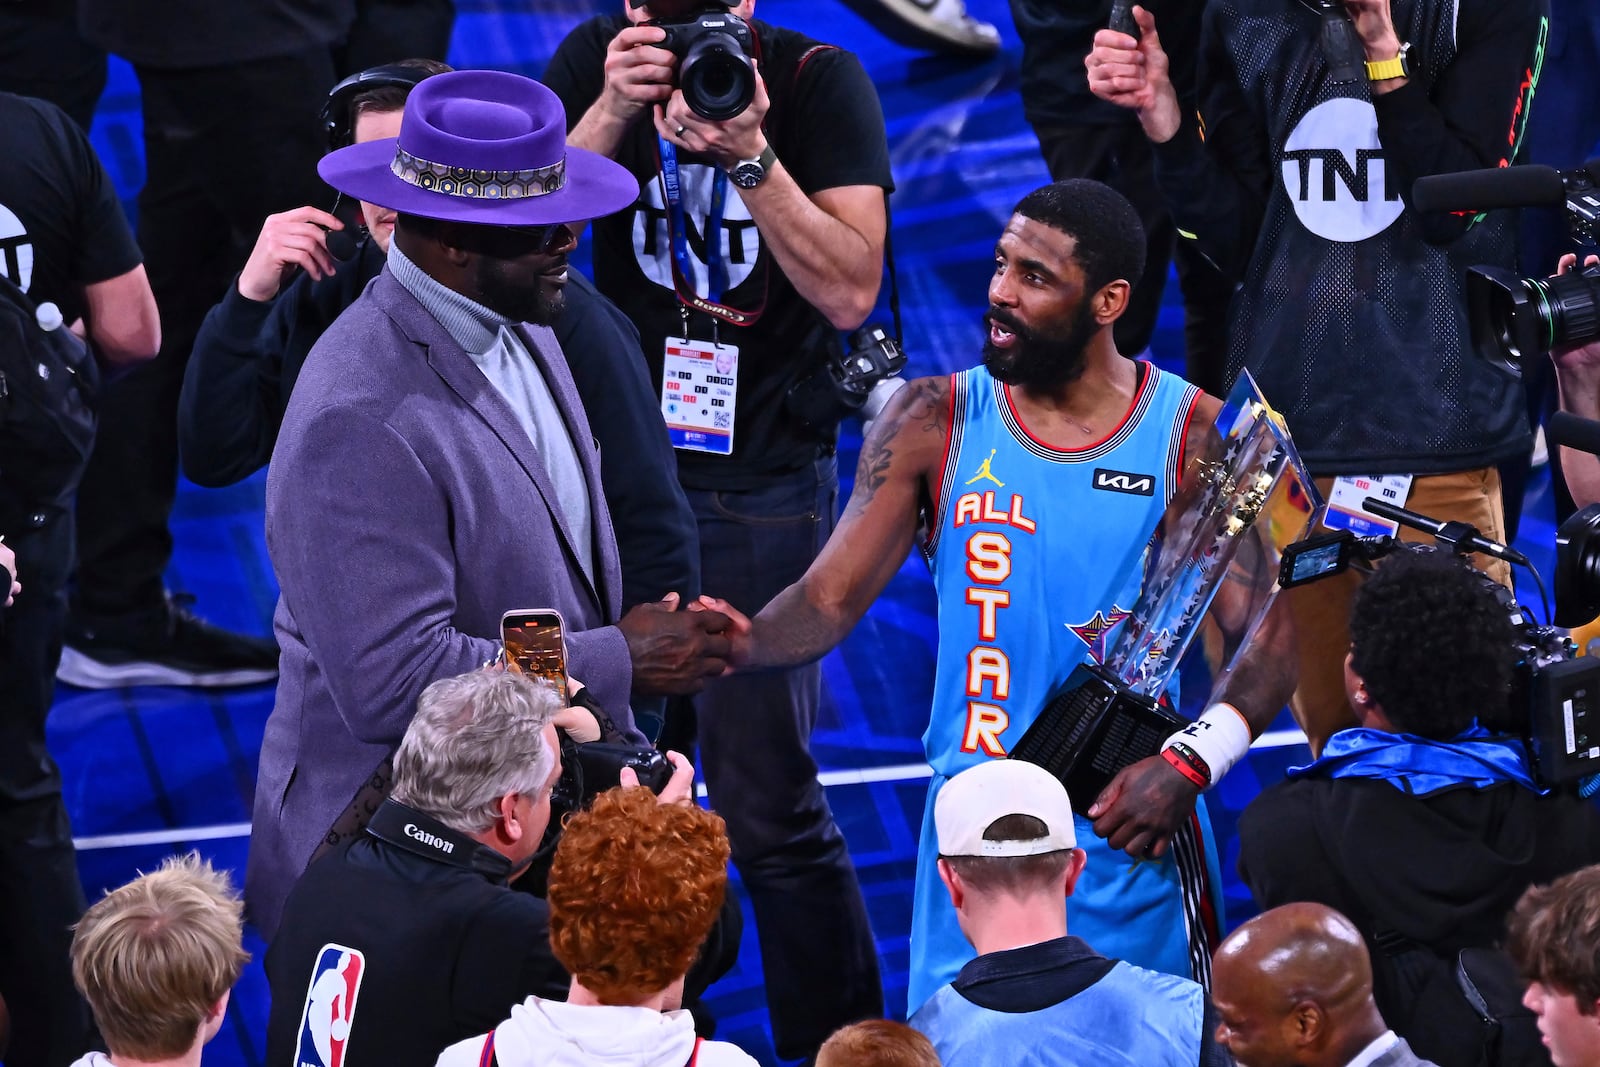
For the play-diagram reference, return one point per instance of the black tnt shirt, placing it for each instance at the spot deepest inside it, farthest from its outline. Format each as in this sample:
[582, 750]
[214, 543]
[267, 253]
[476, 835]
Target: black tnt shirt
[61, 227]
[826, 127]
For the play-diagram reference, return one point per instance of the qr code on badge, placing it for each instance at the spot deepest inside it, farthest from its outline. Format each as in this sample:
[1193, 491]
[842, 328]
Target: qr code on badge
[721, 420]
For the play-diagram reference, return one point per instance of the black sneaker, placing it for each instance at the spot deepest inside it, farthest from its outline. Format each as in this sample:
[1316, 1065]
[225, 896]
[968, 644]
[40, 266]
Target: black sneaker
[168, 645]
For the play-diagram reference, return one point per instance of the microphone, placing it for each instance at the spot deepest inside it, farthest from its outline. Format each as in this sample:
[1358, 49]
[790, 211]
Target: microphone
[1122, 18]
[1458, 536]
[1565, 428]
[1497, 187]
[341, 244]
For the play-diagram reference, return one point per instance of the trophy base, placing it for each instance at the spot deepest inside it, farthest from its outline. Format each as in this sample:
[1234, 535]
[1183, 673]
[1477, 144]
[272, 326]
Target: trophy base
[1093, 729]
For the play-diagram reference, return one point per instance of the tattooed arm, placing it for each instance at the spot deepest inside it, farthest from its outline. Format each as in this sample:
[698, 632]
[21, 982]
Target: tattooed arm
[899, 458]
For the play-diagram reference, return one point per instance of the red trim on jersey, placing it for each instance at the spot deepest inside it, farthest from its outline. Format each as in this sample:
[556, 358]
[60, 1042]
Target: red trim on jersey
[1146, 378]
[1183, 441]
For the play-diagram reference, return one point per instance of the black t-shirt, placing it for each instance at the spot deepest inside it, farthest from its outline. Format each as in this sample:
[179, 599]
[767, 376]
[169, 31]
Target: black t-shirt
[61, 227]
[826, 127]
[188, 34]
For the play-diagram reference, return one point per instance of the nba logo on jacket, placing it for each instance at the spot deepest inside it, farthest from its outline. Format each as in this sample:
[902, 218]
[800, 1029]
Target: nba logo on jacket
[330, 1008]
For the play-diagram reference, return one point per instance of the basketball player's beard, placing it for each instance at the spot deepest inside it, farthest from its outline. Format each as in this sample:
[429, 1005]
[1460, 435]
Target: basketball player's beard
[1037, 359]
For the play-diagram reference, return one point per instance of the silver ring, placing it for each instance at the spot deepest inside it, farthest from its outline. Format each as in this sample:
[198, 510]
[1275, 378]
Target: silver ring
[681, 129]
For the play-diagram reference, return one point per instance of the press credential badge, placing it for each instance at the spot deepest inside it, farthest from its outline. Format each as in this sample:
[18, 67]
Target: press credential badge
[699, 381]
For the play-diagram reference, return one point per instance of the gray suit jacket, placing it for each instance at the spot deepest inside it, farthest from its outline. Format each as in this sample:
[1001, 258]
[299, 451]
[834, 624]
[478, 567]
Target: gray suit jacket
[406, 512]
[1400, 1055]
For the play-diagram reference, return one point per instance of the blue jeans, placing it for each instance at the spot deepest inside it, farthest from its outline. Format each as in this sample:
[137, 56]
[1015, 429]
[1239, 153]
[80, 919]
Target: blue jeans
[818, 955]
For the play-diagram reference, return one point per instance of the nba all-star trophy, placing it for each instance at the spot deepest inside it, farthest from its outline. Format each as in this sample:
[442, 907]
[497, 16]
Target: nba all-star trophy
[1240, 502]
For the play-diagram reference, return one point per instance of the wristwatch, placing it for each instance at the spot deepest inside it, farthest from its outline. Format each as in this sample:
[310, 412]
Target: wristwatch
[1398, 67]
[749, 173]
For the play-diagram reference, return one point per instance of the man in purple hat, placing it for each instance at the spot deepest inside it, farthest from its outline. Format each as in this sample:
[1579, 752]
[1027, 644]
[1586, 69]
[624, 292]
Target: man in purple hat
[756, 237]
[435, 468]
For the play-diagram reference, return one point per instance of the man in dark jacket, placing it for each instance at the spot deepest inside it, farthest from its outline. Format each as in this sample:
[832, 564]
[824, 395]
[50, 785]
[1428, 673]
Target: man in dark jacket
[1419, 825]
[406, 937]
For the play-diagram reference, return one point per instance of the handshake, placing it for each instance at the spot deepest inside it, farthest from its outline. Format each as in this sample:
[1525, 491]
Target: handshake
[674, 651]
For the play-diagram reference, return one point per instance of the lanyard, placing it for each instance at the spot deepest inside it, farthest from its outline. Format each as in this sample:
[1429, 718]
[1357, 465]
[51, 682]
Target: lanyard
[682, 265]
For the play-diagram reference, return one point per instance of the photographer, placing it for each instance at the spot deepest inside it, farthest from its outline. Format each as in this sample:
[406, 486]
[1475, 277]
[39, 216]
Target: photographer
[763, 230]
[427, 882]
[1578, 385]
[1419, 825]
[1318, 118]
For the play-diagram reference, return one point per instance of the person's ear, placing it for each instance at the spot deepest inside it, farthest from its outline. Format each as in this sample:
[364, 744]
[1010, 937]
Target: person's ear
[1308, 1024]
[1110, 302]
[1075, 865]
[511, 826]
[952, 882]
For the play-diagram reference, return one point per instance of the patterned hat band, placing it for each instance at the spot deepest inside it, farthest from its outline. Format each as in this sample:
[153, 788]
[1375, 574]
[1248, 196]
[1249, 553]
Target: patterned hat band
[479, 184]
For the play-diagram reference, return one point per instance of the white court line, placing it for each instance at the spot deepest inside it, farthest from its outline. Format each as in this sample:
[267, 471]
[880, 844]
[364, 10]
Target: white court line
[902, 772]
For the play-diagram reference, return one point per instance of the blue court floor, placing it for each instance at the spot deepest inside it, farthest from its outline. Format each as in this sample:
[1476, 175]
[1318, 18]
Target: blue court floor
[152, 771]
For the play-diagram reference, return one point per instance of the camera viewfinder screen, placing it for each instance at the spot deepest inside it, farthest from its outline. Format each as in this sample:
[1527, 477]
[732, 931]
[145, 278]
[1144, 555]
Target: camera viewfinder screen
[534, 648]
[1317, 562]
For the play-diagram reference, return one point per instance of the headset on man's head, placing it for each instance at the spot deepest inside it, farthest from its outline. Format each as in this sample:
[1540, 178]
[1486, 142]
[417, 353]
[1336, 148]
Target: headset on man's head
[337, 122]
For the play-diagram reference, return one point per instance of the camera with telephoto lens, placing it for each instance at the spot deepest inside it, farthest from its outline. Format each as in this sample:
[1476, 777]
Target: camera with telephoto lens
[713, 47]
[1516, 319]
[847, 383]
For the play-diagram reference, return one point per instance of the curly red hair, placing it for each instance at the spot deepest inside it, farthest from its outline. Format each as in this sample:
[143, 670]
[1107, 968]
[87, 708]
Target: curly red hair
[634, 889]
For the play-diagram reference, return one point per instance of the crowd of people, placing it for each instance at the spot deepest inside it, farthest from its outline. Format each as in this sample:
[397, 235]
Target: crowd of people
[457, 424]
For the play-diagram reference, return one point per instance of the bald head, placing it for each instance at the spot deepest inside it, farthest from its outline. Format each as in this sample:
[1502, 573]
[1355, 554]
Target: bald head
[1294, 985]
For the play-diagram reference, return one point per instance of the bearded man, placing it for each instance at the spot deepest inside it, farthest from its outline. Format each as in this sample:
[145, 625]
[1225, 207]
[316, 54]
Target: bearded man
[1035, 559]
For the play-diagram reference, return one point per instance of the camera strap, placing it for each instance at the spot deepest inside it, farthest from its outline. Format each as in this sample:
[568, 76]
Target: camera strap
[421, 835]
[678, 232]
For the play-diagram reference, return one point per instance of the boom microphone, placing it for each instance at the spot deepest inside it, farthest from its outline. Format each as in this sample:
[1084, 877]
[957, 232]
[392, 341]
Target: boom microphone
[1484, 190]
[1450, 533]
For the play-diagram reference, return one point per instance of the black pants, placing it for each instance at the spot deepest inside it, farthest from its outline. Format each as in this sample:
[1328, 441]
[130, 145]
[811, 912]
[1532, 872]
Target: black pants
[40, 895]
[817, 949]
[1120, 157]
[224, 148]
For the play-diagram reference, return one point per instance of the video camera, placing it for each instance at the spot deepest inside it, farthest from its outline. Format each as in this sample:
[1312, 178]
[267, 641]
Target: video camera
[713, 47]
[1515, 319]
[1554, 700]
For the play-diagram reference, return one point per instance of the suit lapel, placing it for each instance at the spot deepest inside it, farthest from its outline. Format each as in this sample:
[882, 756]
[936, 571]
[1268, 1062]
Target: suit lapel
[451, 362]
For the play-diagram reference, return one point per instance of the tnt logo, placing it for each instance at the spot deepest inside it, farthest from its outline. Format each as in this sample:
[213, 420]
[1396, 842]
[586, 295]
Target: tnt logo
[16, 249]
[652, 241]
[330, 1008]
[1335, 174]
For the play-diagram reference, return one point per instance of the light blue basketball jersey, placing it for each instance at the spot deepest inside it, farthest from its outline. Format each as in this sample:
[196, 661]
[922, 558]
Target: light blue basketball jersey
[1035, 555]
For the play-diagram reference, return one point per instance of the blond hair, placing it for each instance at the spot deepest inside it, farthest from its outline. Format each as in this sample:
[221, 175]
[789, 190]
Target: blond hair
[154, 957]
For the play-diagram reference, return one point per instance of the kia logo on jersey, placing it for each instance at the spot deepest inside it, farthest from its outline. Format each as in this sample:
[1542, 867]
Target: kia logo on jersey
[1335, 172]
[330, 1008]
[1123, 482]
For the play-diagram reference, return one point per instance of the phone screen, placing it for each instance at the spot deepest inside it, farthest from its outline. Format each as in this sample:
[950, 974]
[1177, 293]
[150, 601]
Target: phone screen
[535, 646]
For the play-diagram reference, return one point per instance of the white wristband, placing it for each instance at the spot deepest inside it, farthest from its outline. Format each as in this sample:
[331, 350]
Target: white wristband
[1220, 736]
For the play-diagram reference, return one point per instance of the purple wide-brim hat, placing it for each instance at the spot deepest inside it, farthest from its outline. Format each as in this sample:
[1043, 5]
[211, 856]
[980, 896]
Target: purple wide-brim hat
[484, 147]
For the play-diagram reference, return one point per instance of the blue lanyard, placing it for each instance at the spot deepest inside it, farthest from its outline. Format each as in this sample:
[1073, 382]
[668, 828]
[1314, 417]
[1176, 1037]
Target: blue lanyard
[680, 245]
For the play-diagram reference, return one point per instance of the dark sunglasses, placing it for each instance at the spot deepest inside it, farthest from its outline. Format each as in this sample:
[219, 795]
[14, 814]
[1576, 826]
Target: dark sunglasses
[543, 238]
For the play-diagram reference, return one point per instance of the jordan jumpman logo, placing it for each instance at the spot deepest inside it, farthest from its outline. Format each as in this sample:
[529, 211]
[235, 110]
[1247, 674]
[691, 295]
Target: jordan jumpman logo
[985, 472]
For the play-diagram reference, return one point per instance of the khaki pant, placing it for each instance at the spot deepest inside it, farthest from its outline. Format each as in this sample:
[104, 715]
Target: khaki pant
[1321, 610]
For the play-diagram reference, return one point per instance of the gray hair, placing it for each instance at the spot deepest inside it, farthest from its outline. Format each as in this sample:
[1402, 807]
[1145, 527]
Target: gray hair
[474, 739]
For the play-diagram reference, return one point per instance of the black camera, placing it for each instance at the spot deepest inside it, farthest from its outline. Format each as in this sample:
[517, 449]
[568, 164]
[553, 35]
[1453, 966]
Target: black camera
[1515, 319]
[843, 385]
[713, 47]
[1553, 703]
